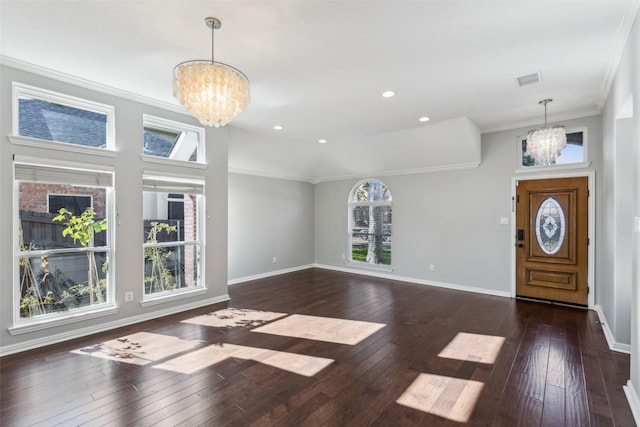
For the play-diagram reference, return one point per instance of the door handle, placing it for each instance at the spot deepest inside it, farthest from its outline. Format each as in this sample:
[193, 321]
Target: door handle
[520, 245]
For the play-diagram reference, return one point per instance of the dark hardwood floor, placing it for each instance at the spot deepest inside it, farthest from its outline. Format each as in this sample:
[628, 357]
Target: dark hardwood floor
[278, 354]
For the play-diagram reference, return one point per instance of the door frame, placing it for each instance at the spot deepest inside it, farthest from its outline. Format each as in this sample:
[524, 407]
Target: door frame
[591, 178]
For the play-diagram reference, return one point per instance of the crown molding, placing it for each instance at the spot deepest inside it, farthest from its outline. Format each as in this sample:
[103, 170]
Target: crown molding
[623, 38]
[400, 172]
[250, 172]
[28, 67]
[537, 122]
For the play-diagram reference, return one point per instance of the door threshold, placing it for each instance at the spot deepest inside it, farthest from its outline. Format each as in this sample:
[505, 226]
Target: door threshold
[548, 301]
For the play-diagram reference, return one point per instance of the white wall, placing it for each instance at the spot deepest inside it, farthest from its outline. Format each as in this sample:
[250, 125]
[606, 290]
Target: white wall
[617, 287]
[269, 218]
[128, 190]
[449, 219]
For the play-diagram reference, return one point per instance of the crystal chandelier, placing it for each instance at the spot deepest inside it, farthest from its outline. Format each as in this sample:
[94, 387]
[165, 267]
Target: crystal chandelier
[545, 144]
[213, 92]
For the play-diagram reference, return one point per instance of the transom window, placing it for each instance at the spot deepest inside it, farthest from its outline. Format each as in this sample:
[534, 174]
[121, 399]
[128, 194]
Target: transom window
[575, 153]
[370, 219]
[172, 235]
[171, 140]
[50, 116]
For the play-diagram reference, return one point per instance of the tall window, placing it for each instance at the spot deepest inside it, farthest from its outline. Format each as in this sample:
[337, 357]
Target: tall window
[172, 239]
[370, 224]
[41, 114]
[62, 256]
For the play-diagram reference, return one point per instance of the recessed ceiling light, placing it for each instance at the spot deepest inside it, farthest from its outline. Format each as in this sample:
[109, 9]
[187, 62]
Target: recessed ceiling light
[424, 119]
[388, 93]
[322, 141]
[278, 127]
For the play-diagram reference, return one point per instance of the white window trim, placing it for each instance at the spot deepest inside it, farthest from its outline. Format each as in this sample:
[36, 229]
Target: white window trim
[558, 167]
[30, 324]
[176, 183]
[59, 146]
[20, 89]
[172, 126]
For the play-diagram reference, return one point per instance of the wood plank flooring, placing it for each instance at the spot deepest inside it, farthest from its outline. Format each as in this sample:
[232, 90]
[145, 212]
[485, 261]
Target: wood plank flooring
[361, 352]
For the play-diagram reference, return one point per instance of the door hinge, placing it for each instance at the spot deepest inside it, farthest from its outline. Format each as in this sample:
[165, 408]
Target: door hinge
[588, 289]
[588, 241]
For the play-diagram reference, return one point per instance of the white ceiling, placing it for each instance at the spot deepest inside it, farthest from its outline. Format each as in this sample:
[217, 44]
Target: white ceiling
[318, 68]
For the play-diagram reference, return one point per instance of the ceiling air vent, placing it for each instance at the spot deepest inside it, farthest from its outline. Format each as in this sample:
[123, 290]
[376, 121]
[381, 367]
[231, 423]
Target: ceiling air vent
[529, 79]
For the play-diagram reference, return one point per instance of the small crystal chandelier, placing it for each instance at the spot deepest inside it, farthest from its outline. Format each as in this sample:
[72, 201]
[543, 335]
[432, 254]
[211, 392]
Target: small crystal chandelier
[213, 92]
[545, 144]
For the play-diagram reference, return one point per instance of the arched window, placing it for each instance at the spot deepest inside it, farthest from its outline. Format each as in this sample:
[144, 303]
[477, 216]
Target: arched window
[370, 224]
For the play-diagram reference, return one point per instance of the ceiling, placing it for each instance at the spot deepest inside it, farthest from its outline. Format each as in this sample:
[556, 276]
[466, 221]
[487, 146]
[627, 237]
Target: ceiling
[318, 68]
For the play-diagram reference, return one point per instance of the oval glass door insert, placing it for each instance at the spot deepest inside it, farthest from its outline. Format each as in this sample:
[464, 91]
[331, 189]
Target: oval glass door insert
[550, 226]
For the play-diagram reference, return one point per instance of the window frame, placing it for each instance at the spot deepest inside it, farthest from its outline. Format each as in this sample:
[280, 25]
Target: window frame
[163, 182]
[562, 166]
[49, 320]
[161, 124]
[350, 206]
[22, 90]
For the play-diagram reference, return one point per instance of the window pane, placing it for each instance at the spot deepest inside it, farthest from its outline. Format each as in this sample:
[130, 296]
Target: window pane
[371, 234]
[39, 118]
[550, 226]
[169, 268]
[39, 229]
[172, 140]
[372, 191]
[60, 282]
[573, 153]
[171, 241]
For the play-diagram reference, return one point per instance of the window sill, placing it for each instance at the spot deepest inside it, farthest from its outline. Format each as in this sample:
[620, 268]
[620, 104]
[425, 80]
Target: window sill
[60, 146]
[163, 161]
[366, 265]
[55, 320]
[541, 169]
[171, 296]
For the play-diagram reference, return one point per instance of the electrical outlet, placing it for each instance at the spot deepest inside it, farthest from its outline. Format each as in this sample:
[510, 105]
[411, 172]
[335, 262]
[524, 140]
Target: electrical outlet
[432, 267]
[128, 296]
[275, 259]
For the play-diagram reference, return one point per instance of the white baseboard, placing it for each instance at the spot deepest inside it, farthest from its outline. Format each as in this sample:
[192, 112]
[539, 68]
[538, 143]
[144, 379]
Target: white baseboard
[611, 341]
[268, 274]
[417, 281]
[634, 400]
[78, 333]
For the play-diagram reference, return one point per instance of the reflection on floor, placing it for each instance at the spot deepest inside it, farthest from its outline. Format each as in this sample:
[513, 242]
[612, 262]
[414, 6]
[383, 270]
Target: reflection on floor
[447, 397]
[473, 347]
[202, 358]
[139, 349]
[233, 317]
[339, 331]
[451, 398]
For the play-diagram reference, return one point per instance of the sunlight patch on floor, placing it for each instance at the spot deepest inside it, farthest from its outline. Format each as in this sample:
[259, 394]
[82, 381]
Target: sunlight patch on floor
[447, 397]
[234, 317]
[139, 349]
[208, 356]
[473, 348]
[339, 331]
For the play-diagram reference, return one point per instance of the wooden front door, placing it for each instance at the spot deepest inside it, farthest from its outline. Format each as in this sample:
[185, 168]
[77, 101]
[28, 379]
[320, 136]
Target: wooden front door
[552, 239]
